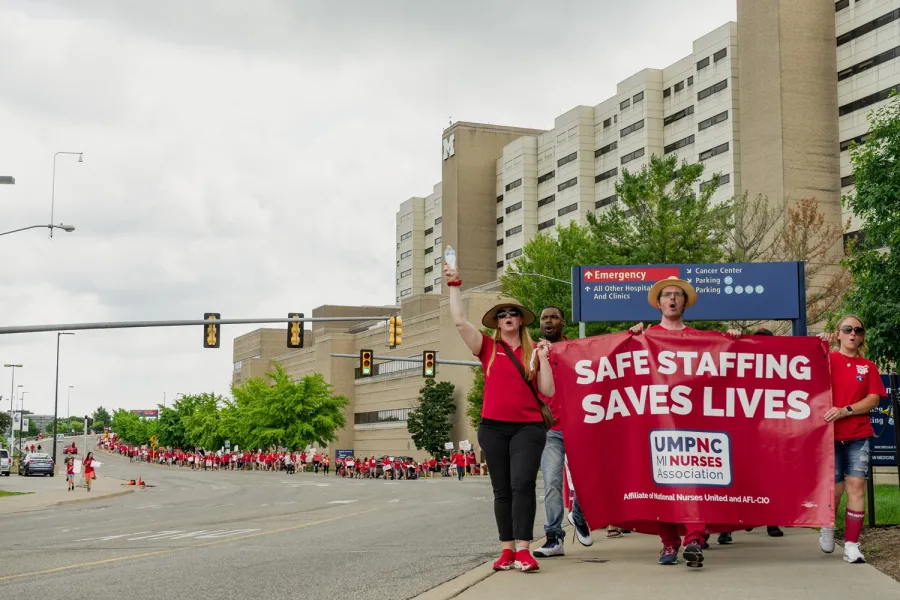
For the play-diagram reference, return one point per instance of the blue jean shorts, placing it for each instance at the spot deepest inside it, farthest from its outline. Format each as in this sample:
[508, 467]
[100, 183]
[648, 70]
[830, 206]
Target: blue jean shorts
[851, 459]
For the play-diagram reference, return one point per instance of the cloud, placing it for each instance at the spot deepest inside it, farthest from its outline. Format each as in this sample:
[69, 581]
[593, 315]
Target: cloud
[249, 158]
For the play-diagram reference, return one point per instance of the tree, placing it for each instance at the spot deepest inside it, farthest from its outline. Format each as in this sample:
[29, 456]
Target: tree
[101, 418]
[756, 224]
[33, 430]
[171, 428]
[132, 428]
[475, 397]
[287, 413]
[874, 260]
[4, 422]
[201, 426]
[429, 423]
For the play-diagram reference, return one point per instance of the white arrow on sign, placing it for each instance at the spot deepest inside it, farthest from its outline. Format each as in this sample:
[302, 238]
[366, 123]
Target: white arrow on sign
[587, 288]
[689, 271]
[589, 275]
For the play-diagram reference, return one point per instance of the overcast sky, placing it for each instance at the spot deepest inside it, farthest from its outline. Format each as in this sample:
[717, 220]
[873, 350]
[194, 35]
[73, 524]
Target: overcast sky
[248, 158]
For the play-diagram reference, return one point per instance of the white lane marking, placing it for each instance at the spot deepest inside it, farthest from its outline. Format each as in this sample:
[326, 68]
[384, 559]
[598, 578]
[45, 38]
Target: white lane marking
[109, 537]
[161, 534]
[148, 506]
[394, 500]
[342, 501]
[282, 503]
[225, 534]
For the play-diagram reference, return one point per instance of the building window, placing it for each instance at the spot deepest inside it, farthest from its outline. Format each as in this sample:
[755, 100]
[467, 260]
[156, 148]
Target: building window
[679, 86]
[437, 281]
[546, 177]
[499, 198]
[720, 149]
[438, 220]
[667, 92]
[429, 269]
[860, 139]
[429, 249]
[381, 416]
[606, 201]
[703, 63]
[868, 27]
[632, 155]
[499, 220]
[712, 90]
[548, 200]
[857, 237]
[514, 207]
[723, 179]
[841, 4]
[605, 149]
[690, 81]
[406, 292]
[632, 128]
[406, 273]
[607, 175]
[514, 231]
[437, 241]
[567, 184]
[406, 254]
[869, 63]
[847, 181]
[624, 104]
[679, 144]
[428, 289]
[715, 120]
[514, 184]
[607, 123]
[406, 236]
[679, 115]
[546, 224]
[429, 231]
[720, 54]
[567, 159]
[867, 101]
[513, 254]
[638, 97]
[568, 209]
[499, 264]
[438, 260]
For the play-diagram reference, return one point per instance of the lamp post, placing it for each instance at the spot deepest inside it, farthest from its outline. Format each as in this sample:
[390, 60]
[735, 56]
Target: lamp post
[12, 396]
[66, 228]
[69, 409]
[56, 394]
[53, 188]
[581, 326]
[21, 420]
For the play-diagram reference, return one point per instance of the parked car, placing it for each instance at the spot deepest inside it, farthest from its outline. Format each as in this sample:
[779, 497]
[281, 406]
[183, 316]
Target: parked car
[36, 463]
[5, 462]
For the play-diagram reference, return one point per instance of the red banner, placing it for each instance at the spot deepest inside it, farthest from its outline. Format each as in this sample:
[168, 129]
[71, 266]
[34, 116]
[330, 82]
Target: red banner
[692, 426]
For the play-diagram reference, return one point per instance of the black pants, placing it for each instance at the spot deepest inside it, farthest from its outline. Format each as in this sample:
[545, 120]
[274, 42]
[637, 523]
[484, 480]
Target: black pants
[513, 452]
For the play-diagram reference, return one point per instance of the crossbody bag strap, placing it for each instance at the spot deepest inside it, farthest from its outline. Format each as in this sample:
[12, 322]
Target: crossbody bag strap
[521, 369]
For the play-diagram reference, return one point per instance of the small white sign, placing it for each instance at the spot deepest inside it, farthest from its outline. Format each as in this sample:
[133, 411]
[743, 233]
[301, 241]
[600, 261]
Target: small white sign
[448, 446]
[465, 445]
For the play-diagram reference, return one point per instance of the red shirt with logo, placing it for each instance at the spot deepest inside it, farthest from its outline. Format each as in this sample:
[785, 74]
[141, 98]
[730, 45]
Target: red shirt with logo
[852, 379]
[506, 395]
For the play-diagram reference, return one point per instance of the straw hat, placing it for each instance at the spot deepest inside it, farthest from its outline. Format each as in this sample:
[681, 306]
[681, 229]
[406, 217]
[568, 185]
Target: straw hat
[489, 319]
[689, 292]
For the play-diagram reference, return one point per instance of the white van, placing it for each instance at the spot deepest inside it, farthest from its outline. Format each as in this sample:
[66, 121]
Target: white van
[4, 462]
[60, 437]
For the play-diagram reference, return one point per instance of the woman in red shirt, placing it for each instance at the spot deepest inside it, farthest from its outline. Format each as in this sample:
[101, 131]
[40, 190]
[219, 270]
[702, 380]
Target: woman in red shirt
[88, 469]
[856, 388]
[512, 432]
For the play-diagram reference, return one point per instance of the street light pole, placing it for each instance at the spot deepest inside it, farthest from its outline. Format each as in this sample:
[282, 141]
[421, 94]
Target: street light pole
[66, 228]
[12, 397]
[69, 409]
[21, 420]
[581, 326]
[53, 188]
[59, 334]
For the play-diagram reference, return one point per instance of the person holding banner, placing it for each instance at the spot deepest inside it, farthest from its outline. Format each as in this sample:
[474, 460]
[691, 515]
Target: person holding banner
[512, 432]
[672, 297]
[856, 389]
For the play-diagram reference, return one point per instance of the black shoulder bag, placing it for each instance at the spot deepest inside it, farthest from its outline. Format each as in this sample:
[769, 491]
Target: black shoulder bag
[546, 413]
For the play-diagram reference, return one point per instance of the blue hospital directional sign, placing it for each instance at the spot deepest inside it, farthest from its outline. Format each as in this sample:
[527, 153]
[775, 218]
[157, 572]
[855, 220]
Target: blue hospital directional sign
[725, 291]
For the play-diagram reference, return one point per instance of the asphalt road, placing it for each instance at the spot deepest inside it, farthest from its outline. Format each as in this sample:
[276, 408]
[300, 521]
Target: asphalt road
[245, 535]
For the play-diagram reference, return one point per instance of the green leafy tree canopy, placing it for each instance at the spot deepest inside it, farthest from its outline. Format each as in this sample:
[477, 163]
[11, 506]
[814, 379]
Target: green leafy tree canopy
[429, 424]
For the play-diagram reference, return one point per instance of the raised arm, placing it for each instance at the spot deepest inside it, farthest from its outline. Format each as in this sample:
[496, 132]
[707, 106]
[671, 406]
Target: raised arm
[469, 333]
[545, 383]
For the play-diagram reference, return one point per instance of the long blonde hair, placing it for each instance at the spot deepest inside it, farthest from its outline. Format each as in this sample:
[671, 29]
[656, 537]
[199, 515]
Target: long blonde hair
[863, 348]
[527, 351]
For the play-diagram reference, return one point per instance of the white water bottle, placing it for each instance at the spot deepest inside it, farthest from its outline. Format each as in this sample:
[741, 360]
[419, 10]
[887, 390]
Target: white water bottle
[450, 257]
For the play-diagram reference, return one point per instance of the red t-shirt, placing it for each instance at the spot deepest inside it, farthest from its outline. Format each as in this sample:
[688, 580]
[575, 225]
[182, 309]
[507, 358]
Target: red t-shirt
[555, 402]
[852, 379]
[659, 327]
[506, 395]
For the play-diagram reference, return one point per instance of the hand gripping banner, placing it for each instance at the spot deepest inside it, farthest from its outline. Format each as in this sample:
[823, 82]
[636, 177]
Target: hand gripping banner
[697, 427]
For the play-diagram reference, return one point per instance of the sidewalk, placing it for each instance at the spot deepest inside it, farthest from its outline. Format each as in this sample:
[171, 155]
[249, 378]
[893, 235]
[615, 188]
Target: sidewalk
[755, 567]
[44, 496]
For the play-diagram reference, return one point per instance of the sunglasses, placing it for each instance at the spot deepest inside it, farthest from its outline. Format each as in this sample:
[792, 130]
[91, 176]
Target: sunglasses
[856, 330]
[508, 313]
[672, 295]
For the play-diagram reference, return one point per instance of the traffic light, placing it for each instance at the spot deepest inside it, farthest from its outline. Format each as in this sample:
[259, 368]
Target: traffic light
[395, 331]
[429, 364]
[211, 331]
[365, 363]
[88, 422]
[295, 331]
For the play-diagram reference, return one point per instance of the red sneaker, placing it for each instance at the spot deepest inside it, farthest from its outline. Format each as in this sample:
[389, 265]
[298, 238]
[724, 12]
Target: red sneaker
[525, 561]
[506, 561]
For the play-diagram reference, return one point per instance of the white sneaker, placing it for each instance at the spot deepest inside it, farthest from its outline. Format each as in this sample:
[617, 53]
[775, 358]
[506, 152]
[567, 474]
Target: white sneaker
[826, 539]
[852, 553]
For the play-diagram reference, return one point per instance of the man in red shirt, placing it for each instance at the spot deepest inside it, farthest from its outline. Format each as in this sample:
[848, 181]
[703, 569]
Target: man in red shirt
[672, 296]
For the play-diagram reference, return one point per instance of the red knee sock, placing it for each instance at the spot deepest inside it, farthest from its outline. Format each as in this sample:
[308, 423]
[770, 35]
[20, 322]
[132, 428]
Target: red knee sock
[853, 522]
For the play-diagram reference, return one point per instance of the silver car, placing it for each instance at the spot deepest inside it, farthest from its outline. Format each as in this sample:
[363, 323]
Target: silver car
[36, 463]
[4, 462]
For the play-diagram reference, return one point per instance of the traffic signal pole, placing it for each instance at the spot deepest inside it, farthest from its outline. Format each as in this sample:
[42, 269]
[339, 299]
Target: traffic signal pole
[437, 360]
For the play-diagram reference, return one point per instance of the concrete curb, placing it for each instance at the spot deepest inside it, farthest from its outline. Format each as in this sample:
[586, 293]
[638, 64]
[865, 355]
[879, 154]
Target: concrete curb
[101, 496]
